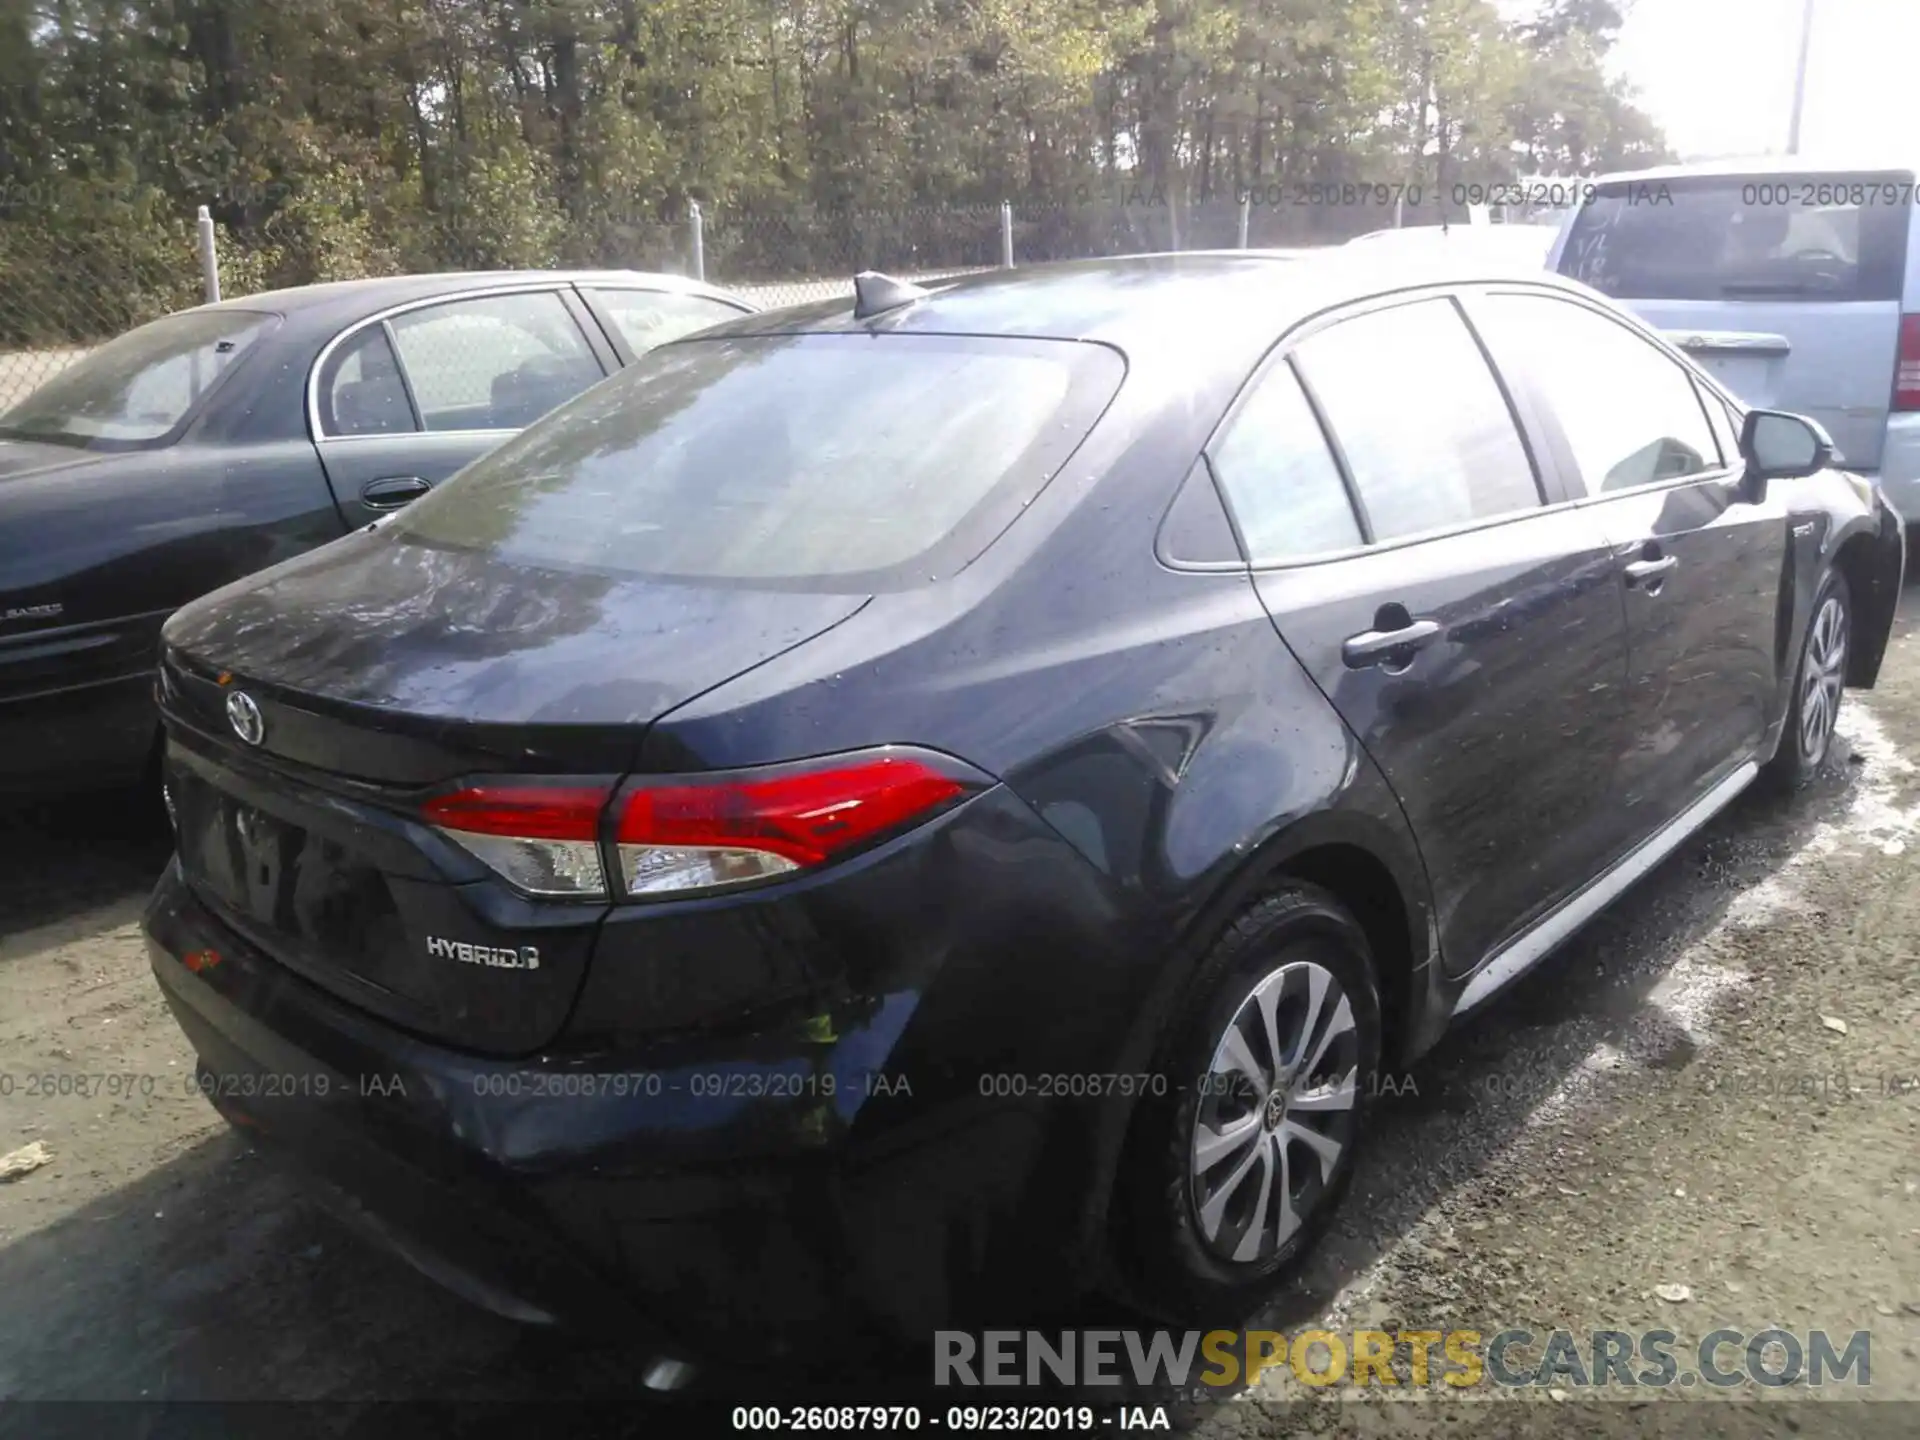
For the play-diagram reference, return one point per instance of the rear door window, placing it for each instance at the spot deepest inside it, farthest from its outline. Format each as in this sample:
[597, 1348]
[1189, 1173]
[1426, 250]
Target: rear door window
[1279, 476]
[495, 362]
[1428, 437]
[1814, 238]
[828, 461]
[361, 392]
[1631, 415]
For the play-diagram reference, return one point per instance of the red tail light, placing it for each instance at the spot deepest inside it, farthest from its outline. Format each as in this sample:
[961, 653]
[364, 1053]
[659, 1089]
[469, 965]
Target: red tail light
[695, 834]
[702, 834]
[1906, 376]
[543, 839]
[532, 812]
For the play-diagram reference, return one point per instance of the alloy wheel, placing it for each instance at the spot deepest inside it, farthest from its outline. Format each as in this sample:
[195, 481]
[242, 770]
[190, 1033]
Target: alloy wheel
[1276, 1112]
[1822, 677]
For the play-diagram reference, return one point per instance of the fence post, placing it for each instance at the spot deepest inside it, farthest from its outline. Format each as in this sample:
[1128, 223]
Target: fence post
[209, 257]
[1006, 235]
[1246, 210]
[698, 226]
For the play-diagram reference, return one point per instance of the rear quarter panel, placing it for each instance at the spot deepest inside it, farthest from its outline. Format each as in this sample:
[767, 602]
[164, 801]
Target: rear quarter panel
[1151, 715]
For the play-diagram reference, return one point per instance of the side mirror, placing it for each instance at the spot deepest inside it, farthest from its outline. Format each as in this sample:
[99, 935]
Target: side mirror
[1779, 446]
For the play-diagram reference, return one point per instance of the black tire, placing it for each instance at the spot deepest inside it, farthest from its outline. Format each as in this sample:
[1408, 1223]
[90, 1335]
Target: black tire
[1803, 748]
[1180, 1264]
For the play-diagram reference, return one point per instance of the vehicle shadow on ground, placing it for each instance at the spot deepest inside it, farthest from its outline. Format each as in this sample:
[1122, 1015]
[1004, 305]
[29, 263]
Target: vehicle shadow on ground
[75, 866]
[213, 1279]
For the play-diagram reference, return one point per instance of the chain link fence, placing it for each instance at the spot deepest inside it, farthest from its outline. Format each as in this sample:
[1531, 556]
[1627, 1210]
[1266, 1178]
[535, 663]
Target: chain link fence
[65, 288]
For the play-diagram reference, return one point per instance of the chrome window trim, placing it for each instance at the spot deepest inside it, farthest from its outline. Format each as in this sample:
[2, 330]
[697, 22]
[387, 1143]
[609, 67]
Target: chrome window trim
[392, 435]
[549, 286]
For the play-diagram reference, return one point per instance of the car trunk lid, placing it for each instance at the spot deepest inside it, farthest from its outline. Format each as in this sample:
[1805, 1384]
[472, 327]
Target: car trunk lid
[375, 674]
[399, 663]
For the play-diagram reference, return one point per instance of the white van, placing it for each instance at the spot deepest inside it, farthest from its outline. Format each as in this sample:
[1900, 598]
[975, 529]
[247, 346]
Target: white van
[1797, 283]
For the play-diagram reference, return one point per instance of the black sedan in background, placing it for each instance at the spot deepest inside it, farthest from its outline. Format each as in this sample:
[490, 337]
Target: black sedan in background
[217, 441]
[896, 813]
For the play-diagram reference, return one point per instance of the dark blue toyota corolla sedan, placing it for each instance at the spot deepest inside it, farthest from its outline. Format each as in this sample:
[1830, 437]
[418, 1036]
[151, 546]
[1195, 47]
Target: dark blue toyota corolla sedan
[901, 811]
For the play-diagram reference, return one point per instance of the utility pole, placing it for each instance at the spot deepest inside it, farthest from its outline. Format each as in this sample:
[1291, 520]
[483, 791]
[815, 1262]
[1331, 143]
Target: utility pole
[1800, 78]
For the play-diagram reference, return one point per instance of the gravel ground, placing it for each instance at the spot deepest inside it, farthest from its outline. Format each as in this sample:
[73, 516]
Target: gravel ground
[1717, 1086]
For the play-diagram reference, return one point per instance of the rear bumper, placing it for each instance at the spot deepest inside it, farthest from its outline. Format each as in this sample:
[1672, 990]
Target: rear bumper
[461, 1165]
[704, 1188]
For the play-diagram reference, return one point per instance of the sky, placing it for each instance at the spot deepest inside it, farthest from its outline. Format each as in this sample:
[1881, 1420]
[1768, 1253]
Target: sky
[1718, 74]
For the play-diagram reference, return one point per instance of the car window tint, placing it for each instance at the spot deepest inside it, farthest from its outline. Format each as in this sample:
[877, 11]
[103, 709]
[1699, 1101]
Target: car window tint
[646, 318]
[802, 460]
[361, 392]
[1427, 434]
[135, 390]
[1630, 413]
[1280, 477]
[1778, 238]
[498, 362]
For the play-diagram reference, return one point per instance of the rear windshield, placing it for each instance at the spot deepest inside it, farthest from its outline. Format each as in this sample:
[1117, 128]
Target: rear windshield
[1776, 238]
[138, 389]
[850, 460]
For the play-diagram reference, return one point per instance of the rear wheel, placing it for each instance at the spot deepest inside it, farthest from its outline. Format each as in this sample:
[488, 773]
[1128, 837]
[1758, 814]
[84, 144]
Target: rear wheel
[1236, 1171]
[1818, 685]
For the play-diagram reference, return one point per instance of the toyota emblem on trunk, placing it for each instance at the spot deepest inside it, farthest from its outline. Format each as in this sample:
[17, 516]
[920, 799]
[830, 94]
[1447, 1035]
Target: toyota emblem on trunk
[245, 717]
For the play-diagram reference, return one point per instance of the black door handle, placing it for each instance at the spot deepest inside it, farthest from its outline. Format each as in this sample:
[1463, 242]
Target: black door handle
[1393, 649]
[1651, 572]
[390, 492]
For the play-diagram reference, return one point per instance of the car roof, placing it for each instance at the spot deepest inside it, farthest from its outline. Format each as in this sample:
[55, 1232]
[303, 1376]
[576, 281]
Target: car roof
[1214, 299]
[382, 291]
[1764, 165]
